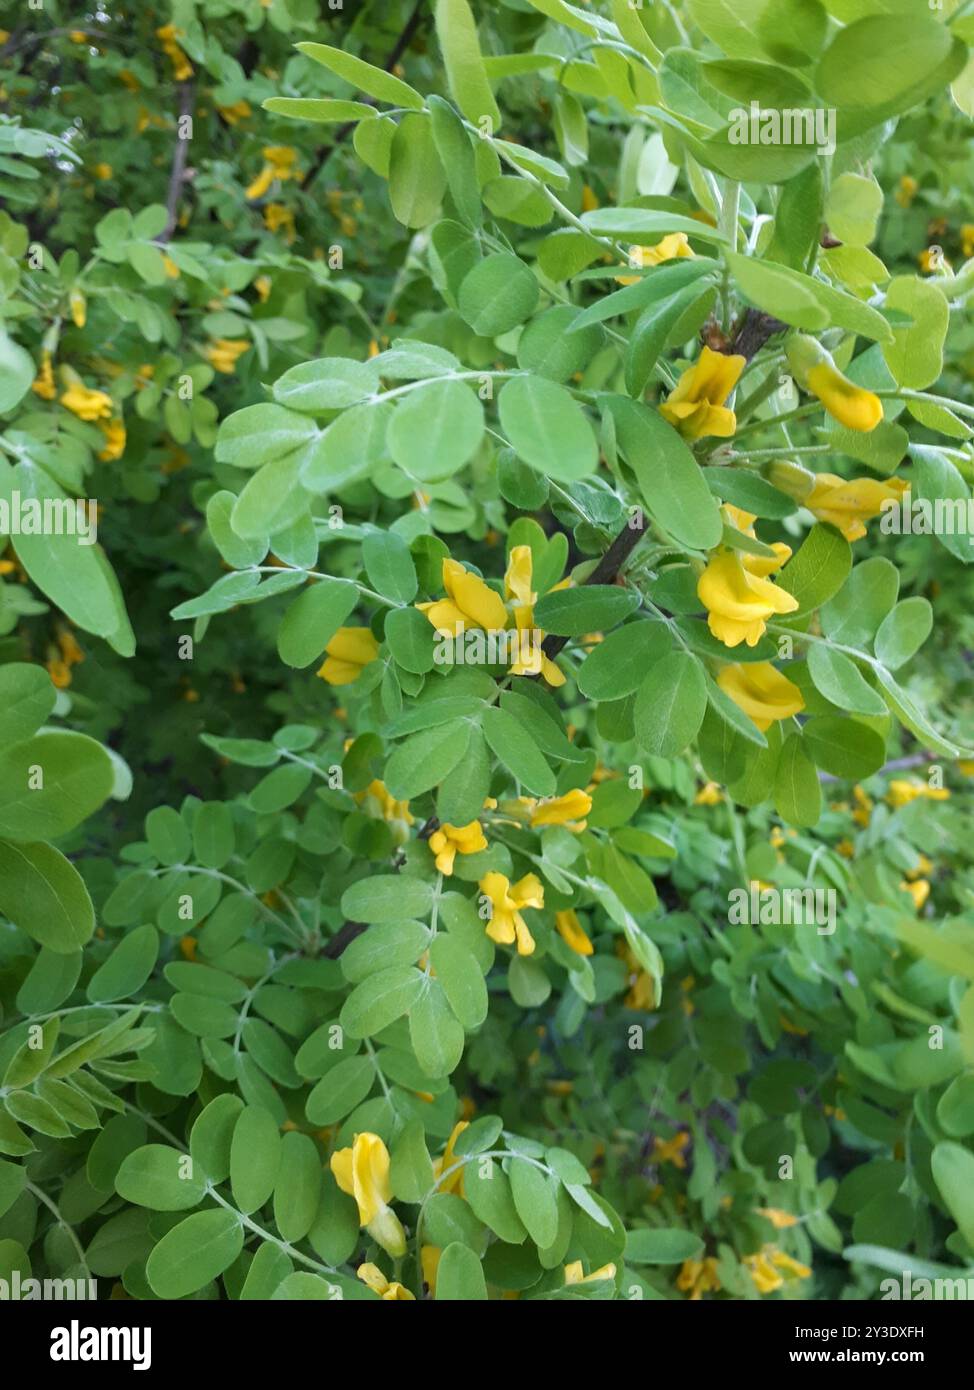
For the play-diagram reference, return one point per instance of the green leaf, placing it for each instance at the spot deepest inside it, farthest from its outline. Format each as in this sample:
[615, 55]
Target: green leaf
[497, 294]
[516, 749]
[535, 1200]
[670, 705]
[434, 1032]
[424, 760]
[857, 610]
[194, 1252]
[456, 30]
[412, 640]
[411, 1170]
[460, 1276]
[488, 1190]
[662, 1246]
[646, 224]
[952, 1167]
[340, 1090]
[26, 699]
[915, 357]
[297, 1191]
[260, 434]
[844, 747]
[903, 631]
[881, 59]
[213, 834]
[435, 430]
[43, 894]
[76, 577]
[817, 570]
[797, 794]
[255, 1158]
[590, 608]
[381, 999]
[327, 383]
[672, 486]
[457, 157]
[375, 82]
[801, 300]
[16, 372]
[387, 898]
[313, 619]
[416, 178]
[462, 980]
[914, 718]
[547, 428]
[325, 110]
[127, 968]
[160, 1177]
[840, 680]
[617, 666]
[211, 1137]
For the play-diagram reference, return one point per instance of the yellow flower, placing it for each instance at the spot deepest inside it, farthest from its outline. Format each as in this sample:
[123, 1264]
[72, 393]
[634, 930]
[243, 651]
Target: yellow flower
[263, 287]
[569, 810]
[907, 190]
[363, 1172]
[589, 199]
[348, 653]
[901, 792]
[671, 1150]
[642, 986]
[79, 308]
[814, 370]
[779, 1219]
[761, 691]
[932, 260]
[760, 565]
[572, 932]
[454, 1182]
[518, 590]
[671, 248]
[574, 1275]
[919, 891]
[469, 603]
[710, 795]
[379, 802]
[378, 1283]
[846, 505]
[277, 216]
[429, 1259]
[279, 162]
[87, 404]
[967, 239]
[114, 432]
[182, 68]
[764, 1268]
[222, 353]
[170, 267]
[239, 111]
[739, 602]
[506, 925]
[698, 1277]
[696, 405]
[43, 384]
[450, 840]
[864, 807]
[103, 171]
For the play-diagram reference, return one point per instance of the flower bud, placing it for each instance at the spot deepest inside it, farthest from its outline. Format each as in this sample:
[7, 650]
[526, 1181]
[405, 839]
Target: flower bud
[789, 477]
[814, 370]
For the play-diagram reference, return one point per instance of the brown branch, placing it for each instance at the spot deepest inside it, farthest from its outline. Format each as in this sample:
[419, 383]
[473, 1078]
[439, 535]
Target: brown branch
[177, 174]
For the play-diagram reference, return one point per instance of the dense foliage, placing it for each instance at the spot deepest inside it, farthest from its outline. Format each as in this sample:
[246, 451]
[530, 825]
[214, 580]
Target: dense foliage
[529, 515]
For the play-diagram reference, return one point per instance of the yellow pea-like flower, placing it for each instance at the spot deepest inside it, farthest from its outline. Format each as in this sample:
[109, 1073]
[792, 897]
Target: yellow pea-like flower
[815, 371]
[363, 1172]
[696, 406]
[738, 601]
[347, 655]
[762, 692]
[506, 925]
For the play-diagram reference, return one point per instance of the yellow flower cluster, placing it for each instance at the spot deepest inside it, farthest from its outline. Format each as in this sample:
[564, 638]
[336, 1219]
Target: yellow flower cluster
[182, 68]
[737, 591]
[222, 354]
[279, 163]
